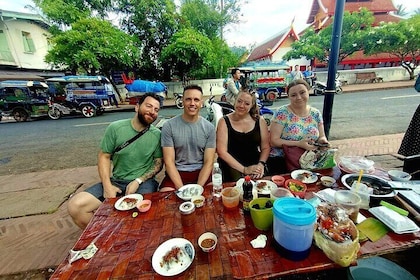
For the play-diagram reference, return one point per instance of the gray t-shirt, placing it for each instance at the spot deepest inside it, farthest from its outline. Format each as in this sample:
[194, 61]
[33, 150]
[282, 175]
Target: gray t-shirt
[189, 140]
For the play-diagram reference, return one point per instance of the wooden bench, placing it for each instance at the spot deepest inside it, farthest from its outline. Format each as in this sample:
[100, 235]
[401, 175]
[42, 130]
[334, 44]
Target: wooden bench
[368, 76]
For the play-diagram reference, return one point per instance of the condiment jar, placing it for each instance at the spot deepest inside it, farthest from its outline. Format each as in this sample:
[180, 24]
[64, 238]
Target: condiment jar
[187, 213]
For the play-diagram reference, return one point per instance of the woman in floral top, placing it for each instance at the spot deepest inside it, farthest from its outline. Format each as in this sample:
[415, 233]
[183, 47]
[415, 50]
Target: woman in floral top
[295, 124]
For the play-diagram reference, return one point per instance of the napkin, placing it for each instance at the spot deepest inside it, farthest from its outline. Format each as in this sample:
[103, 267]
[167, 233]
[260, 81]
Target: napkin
[86, 253]
[259, 242]
[372, 229]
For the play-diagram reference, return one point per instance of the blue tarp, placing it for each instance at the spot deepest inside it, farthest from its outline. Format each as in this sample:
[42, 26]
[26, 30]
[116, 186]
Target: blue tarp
[146, 86]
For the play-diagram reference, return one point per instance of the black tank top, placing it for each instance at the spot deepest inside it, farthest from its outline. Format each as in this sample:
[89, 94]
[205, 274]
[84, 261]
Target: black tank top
[243, 146]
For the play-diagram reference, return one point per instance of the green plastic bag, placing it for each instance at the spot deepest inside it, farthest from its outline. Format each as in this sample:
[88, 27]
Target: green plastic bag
[318, 159]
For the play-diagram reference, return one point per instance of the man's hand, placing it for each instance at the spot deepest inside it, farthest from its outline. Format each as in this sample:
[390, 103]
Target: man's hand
[111, 191]
[132, 187]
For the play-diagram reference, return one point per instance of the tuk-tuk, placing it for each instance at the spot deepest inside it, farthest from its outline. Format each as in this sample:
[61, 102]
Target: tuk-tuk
[87, 95]
[23, 99]
[269, 79]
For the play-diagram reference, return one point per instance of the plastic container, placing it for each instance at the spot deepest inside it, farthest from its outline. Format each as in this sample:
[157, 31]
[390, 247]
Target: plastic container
[207, 242]
[263, 216]
[350, 201]
[187, 210]
[293, 227]
[278, 180]
[230, 197]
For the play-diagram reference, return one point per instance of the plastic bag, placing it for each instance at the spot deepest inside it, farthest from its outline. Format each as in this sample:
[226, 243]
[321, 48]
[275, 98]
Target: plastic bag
[318, 159]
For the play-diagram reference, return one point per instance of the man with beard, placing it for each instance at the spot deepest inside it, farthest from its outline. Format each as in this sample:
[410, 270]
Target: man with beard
[133, 167]
[188, 144]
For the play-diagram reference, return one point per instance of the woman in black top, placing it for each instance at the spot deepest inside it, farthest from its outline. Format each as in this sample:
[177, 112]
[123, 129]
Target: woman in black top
[242, 140]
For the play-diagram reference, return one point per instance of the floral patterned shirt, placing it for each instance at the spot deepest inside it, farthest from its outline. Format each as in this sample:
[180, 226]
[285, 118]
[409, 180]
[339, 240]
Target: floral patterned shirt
[296, 128]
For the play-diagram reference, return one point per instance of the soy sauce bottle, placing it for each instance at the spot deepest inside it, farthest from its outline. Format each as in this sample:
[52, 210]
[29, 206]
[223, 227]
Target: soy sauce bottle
[247, 196]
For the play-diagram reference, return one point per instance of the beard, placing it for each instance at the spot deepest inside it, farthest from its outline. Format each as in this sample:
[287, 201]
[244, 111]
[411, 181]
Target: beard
[142, 120]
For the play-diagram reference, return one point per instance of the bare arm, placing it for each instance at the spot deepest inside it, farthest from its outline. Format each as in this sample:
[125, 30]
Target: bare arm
[169, 159]
[205, 171]
[104, 170]
[265, 140]
[322, 138]
[155, 169]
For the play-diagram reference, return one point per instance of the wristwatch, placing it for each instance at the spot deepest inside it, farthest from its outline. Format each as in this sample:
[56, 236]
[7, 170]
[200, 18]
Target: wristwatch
[262, 162]
[138, 180]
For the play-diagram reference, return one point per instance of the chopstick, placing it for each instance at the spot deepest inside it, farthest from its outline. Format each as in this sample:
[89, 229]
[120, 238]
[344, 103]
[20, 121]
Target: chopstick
[408, 207]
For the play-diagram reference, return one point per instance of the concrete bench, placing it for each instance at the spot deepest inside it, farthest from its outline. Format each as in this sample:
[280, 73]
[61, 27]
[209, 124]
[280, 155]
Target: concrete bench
[368, 76]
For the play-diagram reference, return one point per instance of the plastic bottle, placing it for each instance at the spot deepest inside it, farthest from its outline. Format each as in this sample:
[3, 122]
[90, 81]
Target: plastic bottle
[247, 196]
[216, 178]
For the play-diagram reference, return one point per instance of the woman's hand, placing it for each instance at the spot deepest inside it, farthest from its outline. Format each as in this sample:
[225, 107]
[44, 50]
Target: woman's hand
[307, 144]
[256, 171]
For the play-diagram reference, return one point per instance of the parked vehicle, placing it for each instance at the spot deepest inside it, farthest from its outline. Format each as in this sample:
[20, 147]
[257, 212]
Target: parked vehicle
[269, 80]
[23, 99]
[320, 87]
[71, 95]
[137, 88]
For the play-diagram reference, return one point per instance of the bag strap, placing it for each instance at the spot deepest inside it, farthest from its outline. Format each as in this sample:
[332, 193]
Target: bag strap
[131, 140]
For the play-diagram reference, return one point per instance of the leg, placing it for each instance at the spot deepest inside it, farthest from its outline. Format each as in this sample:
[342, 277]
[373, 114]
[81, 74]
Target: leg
[81, 208]
[148, 186]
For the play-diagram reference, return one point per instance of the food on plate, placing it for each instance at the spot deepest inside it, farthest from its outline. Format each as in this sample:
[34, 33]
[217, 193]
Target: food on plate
[172, 256]
[303, 176]
[208, 243]
[135, 214]
[261, 185]
[128, 203]
[378, 187]
[336, 235]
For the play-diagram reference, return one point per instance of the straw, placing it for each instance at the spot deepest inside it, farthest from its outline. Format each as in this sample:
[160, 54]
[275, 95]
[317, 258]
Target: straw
[358, 180]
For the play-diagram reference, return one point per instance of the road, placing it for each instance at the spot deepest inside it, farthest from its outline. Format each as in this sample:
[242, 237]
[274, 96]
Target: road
[74, 141]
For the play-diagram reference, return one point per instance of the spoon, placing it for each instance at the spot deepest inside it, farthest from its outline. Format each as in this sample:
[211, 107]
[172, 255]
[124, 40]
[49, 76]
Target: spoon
[410, 174]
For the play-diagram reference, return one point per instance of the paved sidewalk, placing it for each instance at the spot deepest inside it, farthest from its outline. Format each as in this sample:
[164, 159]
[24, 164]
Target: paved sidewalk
[42, 241]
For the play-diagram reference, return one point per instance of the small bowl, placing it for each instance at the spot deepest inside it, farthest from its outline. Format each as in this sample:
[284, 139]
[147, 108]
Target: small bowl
[280, 192]
[198, 200]
[144, 205]
[327, 181]
[397, 175]
[296, 192]
[278, 180]
[210, 241]
[230, 197]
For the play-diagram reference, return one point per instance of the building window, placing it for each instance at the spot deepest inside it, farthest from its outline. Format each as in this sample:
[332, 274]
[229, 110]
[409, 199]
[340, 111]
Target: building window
[5, 53]
[28, 43]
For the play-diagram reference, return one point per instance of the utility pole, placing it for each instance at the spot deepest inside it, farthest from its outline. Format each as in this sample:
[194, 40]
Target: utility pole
[332, 65]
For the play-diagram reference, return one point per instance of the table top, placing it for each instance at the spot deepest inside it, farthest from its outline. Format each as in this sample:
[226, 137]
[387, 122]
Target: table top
[126, 244]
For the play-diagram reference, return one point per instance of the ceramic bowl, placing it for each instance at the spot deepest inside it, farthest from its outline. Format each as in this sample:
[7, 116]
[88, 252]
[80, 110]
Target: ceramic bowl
[198, 200]
[144, 205]
[278, 180]
[296, 187]
[397, 175]
[327, 181]
[207, 241]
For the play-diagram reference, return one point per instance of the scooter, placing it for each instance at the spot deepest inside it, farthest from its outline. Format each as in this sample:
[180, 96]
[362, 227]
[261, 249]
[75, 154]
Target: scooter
[178, 100]
[320, 87]
[265, 112]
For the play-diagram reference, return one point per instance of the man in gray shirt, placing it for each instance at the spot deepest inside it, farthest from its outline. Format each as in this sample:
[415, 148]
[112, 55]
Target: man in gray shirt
[188, 144]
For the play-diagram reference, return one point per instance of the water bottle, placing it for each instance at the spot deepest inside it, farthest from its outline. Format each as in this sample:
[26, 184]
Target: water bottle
[216, 178]
[247, 196]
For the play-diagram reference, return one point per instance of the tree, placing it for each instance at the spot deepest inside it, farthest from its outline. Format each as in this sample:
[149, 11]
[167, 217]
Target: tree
[398, 39]
[187, 53]
[93, 45]
[154, 23]
[401, 11]
[317, 45]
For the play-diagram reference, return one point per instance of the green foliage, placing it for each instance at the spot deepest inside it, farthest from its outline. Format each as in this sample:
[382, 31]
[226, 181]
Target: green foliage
[187, 53]
[398, 39]
[317, 45]
[93, 45]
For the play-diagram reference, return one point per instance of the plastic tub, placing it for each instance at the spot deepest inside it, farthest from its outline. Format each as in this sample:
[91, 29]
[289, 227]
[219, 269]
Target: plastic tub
[293, 227]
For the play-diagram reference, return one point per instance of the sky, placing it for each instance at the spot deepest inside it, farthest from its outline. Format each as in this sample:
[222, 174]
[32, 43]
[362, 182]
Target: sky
[260, 20]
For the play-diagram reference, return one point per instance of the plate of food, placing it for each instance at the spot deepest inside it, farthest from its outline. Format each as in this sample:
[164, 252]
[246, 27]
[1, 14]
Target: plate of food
[264, 186]
[381, 188]
[128, 202]
[353, 164]
[186, 192]
[173, 257]
[305, 176]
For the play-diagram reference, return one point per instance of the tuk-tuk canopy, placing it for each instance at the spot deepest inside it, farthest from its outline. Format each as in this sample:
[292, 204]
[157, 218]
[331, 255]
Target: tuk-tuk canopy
[19, 83]
[263, 66]
[82, 78]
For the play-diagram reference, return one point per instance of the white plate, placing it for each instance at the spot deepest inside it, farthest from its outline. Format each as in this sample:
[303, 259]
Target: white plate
[177, 267]
[189, 190]
[265, 189]
[312, 178]
[398, 223]
[119, 205]
[369, 179]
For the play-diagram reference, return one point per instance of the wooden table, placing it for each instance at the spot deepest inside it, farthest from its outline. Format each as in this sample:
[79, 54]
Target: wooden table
[126, 244]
